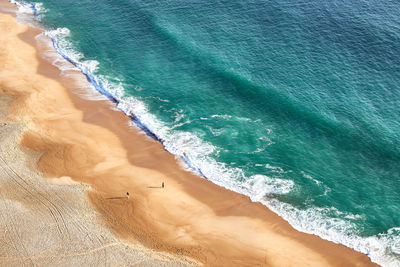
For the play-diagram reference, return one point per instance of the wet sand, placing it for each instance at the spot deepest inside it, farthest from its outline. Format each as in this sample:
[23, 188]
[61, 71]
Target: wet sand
[94, 144]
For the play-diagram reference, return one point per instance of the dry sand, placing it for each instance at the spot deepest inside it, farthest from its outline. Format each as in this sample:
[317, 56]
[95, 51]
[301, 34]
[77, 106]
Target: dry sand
[88, 142]
[52, 224]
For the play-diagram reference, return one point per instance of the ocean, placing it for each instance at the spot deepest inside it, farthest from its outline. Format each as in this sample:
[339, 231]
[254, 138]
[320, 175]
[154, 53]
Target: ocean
[293, 103]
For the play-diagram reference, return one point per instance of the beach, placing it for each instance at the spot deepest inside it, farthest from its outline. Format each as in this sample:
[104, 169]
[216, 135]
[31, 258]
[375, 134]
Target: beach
[82, 143]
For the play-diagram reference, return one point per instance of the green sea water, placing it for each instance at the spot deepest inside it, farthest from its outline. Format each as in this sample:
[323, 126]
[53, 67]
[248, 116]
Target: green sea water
[294, 103]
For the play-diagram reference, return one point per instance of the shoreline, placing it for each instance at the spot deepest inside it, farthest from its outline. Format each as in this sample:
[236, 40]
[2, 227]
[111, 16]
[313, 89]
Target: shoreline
[92, 143]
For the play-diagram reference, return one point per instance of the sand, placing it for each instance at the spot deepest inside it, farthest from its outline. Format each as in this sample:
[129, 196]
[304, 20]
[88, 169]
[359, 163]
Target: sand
[46, 223]
[81, 140]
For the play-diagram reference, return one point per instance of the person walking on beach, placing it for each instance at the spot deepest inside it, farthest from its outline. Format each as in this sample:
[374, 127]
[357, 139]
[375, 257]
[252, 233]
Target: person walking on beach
[162, 185]
[127, 195]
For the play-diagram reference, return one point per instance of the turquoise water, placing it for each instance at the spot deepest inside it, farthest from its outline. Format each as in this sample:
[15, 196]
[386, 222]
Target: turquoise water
[294, 103]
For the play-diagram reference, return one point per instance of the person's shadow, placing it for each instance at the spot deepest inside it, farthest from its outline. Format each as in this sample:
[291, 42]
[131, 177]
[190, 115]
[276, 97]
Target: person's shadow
[116, 197]
[162, 186]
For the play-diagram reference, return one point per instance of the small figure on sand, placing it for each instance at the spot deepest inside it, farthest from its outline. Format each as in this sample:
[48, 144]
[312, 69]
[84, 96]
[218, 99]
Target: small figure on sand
[162, 185]
[127, 195]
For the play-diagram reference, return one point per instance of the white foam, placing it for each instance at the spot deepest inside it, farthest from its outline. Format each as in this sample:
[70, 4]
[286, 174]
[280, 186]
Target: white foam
[305, 175]
[29, 13]
[381, 249]
[276, 169]
[258, 187]
[215, 132]
[262, 186]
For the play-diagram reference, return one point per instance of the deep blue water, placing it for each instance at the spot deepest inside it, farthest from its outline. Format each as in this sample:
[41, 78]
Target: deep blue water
[294, 103]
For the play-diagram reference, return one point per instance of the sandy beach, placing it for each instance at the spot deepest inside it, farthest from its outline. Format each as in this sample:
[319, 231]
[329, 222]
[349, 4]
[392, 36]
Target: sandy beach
[88, 152]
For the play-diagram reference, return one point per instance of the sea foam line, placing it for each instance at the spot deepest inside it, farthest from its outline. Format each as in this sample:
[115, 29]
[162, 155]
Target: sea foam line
[381, 249]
